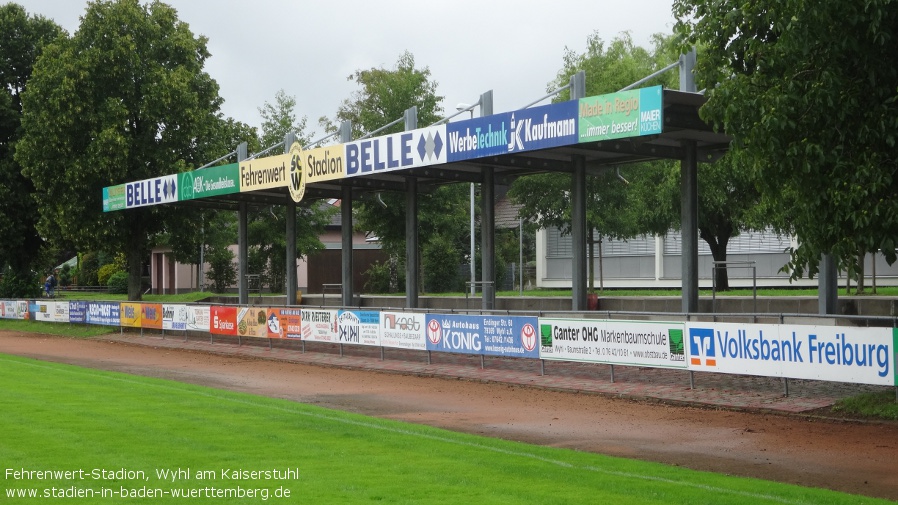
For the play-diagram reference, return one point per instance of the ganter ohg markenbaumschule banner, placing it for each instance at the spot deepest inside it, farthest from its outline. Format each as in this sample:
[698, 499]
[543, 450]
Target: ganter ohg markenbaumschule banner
[636, 343]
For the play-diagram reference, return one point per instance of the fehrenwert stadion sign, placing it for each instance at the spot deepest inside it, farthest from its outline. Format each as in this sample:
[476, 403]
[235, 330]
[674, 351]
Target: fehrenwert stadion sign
[605, 117]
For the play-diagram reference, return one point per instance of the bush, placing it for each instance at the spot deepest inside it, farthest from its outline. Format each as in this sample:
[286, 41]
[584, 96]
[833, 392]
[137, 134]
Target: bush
[87, 269]
[105, 273]
[20, 285]
[441, 260]
[65, 276]
[222, 272]
[118, 283]
[377, 278]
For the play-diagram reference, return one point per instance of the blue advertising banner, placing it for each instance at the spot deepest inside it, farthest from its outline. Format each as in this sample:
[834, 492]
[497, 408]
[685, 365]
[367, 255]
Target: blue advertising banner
[77, 312]
[513, 132]
[105, 313]
[488, 335]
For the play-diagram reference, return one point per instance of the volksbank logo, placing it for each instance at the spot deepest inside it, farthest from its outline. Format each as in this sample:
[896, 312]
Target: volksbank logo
[701, 347]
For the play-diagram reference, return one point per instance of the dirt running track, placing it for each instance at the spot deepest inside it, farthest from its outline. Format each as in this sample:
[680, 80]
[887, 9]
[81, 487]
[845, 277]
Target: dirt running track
[853, 457]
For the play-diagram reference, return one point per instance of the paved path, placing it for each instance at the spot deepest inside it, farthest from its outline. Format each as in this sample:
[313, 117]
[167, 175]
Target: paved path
[673, 386]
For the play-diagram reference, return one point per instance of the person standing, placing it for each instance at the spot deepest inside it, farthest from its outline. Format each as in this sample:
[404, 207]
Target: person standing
[50, 285]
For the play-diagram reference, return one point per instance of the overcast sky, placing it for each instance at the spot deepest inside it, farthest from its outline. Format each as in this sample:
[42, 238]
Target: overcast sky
[309, 48]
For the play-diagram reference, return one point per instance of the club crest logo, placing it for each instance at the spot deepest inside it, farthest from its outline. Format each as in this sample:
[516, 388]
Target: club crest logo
[297, 179]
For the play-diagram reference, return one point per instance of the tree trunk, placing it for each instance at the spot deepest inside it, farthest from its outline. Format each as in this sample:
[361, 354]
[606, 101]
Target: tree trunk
[718, 246]
[861, 256]
[135, 269]
[137, 250]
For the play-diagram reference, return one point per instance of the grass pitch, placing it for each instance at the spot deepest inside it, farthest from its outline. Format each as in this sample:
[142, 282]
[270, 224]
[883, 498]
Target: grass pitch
[86, 436]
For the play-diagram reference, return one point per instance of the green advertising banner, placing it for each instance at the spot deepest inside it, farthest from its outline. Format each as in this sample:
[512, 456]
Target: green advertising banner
[623, 114]
[212, 181]
[114, 198]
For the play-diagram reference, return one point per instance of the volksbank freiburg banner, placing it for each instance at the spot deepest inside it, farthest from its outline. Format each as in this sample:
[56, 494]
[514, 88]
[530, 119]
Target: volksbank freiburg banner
[488, 335]
[523, 130]
[399, 151]
[622, 114]
[211, 181]
[832, 353]
[635, 343]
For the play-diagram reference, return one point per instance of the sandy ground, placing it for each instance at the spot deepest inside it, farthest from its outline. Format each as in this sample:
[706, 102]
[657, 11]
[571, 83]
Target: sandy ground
[853, 457]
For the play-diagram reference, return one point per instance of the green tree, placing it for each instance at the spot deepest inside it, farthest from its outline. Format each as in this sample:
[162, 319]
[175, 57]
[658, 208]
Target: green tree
[22, 38]
[209, 228]
[267, 240]
[124, 99]
[222, 272]
[383, 97]
[615, 208]
[279, 119]
[811, 105]
[650, 203]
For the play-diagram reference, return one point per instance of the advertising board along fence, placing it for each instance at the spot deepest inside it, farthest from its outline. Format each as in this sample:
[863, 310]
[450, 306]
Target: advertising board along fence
[837, 353]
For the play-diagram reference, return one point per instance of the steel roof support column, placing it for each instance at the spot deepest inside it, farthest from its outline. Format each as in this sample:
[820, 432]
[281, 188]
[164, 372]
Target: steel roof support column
[578, 233]
[488, 238]
[689, 226]
[487, 221]
[578, 212]
[346, 226]
[290, 279]
[242, 240]
[411, 225]
[827, 285]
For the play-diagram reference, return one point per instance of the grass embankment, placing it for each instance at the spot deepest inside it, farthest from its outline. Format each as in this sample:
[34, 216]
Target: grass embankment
[191, 297]
[881, 291]
[124, 438]
[880, 405]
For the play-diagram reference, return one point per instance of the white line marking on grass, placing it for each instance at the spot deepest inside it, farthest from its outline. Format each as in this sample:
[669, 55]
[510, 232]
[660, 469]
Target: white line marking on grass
[400, 431]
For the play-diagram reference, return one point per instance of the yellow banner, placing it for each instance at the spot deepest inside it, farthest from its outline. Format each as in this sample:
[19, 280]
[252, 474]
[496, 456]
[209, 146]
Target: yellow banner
[253, 322]
[131, 314]
[264, 173]
[324, 163]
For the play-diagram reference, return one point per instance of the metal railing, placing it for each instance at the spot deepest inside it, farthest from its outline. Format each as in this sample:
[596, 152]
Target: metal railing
[726, 265]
